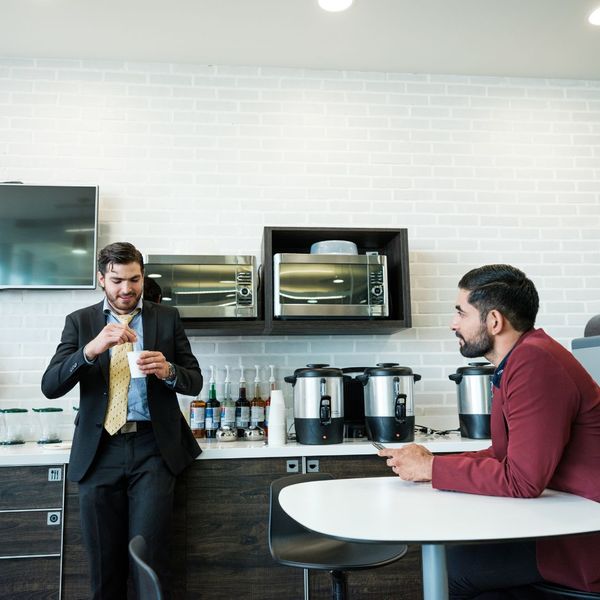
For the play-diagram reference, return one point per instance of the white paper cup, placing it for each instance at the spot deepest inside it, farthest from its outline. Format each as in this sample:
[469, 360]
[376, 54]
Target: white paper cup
[277, 420]
[133, 367]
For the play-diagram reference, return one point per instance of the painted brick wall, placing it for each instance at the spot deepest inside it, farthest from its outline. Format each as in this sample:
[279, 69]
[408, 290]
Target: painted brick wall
[198, 159]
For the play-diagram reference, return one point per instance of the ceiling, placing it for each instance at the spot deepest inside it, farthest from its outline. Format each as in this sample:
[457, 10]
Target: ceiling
[529, 38]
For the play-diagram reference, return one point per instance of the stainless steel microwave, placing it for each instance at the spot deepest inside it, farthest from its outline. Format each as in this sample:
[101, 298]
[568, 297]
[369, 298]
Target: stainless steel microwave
[207, 287]
[330, 285]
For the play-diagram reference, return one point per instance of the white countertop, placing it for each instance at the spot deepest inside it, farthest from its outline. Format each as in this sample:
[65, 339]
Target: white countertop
[51, 454]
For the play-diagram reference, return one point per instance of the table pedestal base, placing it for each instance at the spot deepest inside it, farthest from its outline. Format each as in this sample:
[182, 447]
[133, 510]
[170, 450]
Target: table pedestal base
[435, 575]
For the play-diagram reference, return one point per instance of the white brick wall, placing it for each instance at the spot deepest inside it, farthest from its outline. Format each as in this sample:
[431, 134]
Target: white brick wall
[198, 159]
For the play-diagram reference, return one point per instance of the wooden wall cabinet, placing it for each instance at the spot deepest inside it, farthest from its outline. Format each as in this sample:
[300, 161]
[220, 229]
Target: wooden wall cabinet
[393, 243]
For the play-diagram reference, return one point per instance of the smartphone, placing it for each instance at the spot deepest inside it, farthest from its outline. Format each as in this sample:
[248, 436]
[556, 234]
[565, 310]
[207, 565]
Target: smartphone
[378, 445]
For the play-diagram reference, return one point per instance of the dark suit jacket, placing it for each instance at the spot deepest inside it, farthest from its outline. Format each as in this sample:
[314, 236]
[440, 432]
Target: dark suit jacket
[163, 331]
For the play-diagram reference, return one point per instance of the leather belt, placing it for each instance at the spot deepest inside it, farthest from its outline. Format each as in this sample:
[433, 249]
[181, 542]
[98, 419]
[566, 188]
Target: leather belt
[135, 426]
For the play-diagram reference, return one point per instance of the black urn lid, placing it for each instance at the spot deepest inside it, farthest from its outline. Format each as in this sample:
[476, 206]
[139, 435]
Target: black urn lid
[477, 368]
[318, 370]
[387, 370]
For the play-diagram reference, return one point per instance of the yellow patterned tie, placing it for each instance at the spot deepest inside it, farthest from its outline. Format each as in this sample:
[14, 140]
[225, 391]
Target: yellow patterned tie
[119, 377]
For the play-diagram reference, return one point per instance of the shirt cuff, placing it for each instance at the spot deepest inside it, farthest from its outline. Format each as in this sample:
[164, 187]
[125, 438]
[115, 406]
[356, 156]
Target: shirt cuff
[89, 362]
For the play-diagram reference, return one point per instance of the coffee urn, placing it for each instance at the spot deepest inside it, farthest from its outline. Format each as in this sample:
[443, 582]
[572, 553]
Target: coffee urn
[474, 389]
[318, 404]
[389, 402]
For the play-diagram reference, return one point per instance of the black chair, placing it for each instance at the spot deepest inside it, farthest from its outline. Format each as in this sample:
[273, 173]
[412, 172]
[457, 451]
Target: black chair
[592, 327]
[293, 545]
[147, 583]
[555, 590]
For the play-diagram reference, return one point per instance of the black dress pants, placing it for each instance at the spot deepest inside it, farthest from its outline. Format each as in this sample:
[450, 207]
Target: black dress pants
[128, 491]
[495, 571]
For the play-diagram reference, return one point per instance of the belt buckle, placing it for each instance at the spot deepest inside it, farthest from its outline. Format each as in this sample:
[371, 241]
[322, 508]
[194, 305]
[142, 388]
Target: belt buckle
[129, 428]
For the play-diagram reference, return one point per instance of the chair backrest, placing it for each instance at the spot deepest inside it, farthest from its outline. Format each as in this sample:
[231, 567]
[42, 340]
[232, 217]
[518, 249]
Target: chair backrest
[281, 525]
[592, 327]
[147, 583]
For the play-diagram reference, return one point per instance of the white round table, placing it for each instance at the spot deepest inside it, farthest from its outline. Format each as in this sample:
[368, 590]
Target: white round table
[387, 509]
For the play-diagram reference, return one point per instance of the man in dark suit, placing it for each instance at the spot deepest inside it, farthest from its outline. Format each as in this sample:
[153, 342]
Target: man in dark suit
[126, 477]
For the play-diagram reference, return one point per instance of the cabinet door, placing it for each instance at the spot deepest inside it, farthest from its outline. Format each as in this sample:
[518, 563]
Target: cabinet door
[401, 579]
[31, 487]
[227, 519]
[27, 578]
[34, 532]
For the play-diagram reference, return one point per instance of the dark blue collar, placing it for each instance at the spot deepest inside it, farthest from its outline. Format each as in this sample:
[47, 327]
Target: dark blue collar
[497, 376]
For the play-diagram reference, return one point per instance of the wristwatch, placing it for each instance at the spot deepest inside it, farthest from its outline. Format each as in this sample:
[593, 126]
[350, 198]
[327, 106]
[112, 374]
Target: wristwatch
[172, 374]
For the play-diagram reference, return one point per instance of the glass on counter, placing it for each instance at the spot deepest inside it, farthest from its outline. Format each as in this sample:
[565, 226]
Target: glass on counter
[49, 421]
[13, 426]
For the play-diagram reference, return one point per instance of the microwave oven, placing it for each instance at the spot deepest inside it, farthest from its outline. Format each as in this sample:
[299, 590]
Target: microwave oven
[206, 287]
[330, 286]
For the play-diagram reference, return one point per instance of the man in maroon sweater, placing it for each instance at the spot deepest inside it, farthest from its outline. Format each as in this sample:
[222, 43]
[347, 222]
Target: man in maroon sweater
[545, 430]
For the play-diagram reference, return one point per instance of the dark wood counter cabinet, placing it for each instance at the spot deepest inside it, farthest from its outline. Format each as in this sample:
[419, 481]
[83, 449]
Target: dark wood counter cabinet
[220, 547]
[31, 530]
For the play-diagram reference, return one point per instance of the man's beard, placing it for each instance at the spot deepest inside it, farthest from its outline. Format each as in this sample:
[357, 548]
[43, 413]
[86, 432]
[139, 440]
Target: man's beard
[121, 303]
[480, 346]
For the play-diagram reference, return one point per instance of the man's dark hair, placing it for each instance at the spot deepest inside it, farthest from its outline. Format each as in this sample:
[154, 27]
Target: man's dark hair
[152, 290]
[503, 288]
[119, 253]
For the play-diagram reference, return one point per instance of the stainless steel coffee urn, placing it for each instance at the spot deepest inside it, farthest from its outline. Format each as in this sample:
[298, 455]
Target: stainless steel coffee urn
[389, 402]
[318, 404]
[474, 399]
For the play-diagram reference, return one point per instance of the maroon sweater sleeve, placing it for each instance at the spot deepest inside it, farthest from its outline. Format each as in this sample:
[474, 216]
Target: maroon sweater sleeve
[538, 403]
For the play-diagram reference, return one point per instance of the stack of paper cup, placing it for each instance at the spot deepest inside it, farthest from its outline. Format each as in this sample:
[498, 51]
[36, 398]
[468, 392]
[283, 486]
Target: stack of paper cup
[277, 420]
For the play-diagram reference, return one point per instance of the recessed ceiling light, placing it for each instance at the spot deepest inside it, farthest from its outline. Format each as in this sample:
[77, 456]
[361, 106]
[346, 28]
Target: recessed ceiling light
[335, 5]
[594, 18]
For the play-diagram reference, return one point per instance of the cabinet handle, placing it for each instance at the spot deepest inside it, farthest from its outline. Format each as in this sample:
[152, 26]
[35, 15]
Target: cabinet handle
[312, 466]
[53, 518]
[55, 474]
[292, 466]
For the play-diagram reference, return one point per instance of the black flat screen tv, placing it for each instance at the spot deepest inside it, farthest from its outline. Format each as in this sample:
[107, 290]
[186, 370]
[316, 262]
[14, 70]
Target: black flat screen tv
[48, 236]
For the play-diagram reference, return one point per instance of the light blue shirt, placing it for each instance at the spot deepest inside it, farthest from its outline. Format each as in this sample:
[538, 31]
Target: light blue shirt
[137, 397]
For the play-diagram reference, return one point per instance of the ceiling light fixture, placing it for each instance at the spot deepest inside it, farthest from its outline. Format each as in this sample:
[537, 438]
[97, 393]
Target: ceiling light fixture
[594, 18]
[335, 5]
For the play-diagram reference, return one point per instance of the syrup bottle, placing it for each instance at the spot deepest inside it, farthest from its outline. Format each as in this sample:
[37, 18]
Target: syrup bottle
[227, 405]
[212, 416]
[197, 416]
[257, 406]
[242, 408]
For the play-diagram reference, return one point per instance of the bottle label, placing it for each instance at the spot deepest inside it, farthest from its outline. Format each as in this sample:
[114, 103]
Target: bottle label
[242, 417]
[267, 411]
[212, 417]
[257, 415]
[228, 416]
[197, 417]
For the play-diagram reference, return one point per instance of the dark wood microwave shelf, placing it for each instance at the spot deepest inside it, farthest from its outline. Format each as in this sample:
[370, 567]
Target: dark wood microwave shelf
[392, 243]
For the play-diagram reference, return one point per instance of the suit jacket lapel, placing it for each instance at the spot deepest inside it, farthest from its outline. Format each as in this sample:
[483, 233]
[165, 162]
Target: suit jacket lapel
[150, 324]
[98, 323]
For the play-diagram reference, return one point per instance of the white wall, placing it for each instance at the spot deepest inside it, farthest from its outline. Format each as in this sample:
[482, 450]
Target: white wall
[198, 159]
